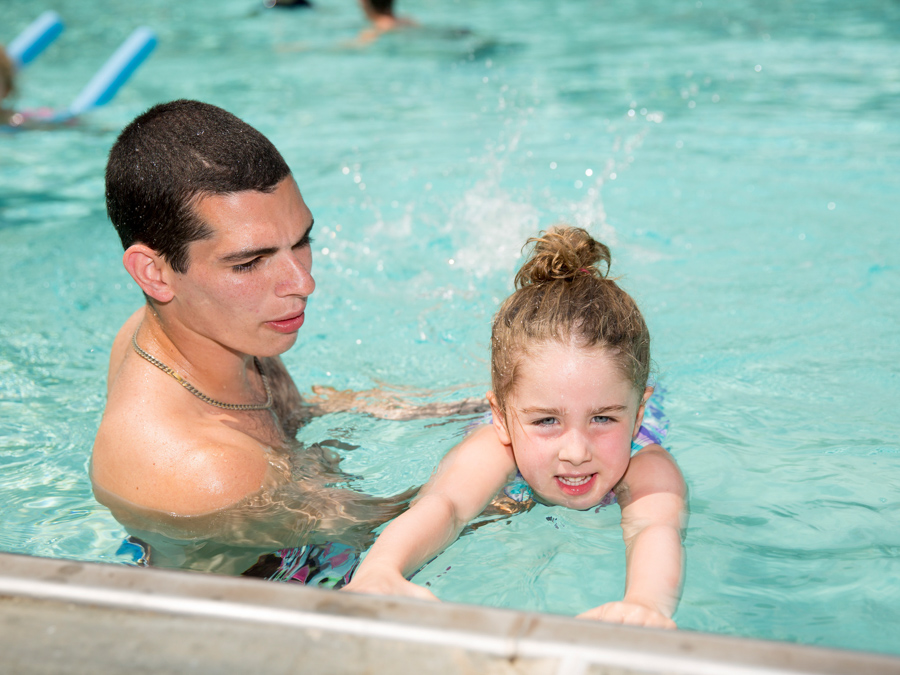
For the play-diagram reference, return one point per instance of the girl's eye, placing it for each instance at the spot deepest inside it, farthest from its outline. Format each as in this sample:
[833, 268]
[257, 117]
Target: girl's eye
[601, 419]
[545, 422]
[247, 266]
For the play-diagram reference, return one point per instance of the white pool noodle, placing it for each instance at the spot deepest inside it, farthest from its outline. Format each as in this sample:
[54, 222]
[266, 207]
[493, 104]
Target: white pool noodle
[114, 73]
[26, 47]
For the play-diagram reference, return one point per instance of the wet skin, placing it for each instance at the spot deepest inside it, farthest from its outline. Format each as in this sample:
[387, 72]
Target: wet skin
[244, 294]
[255, 270]
[570, 420]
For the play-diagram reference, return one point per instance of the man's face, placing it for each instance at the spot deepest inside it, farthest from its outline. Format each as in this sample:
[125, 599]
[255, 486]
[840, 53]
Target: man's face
[247, 285]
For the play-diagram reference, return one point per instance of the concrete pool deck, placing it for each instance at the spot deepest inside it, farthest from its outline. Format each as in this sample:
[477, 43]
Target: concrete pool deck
[73, 617]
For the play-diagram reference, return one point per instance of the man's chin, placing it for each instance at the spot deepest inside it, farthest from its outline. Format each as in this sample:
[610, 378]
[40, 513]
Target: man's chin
[276, 346]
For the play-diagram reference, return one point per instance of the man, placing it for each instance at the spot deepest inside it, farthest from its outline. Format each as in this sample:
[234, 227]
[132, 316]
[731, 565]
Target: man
[194, 453]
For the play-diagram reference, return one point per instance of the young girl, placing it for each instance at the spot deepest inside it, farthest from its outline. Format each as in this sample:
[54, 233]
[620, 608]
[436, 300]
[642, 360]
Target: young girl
[569, 367]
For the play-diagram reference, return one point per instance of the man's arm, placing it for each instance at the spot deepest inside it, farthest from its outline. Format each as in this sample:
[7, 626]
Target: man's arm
[390, 405]
[463, 485]
[652, 498]
[245, 500]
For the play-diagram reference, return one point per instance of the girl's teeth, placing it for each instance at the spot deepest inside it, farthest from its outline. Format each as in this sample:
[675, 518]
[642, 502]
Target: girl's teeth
[578, 480]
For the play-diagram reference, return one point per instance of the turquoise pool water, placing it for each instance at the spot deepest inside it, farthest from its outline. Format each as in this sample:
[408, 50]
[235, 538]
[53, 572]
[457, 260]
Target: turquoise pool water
[742, 159]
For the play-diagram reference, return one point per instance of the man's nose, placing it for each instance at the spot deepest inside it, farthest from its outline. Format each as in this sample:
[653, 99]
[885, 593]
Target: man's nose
[295, 278]
[575, 450]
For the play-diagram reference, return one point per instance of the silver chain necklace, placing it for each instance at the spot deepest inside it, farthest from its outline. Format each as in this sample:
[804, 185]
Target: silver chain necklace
[199, 394]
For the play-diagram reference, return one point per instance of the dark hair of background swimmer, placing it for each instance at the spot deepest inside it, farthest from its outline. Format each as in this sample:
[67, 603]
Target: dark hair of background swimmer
[382, 6]
[7, 74]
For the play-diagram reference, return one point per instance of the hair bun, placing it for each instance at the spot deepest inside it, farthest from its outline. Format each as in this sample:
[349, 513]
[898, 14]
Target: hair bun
[562, 253]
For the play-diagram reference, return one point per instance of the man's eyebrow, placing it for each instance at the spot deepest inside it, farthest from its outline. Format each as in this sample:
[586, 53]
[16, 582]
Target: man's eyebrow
[248, 253]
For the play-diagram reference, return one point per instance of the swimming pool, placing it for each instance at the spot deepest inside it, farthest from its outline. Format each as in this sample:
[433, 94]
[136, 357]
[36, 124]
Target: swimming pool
[741, 159]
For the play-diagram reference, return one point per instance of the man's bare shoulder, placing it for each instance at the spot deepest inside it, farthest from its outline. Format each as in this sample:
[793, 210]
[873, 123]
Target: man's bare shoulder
[172, 468]
[160, 448]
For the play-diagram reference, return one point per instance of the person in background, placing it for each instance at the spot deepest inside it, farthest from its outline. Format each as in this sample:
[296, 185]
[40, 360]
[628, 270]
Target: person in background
[7, 86]
[381, 14]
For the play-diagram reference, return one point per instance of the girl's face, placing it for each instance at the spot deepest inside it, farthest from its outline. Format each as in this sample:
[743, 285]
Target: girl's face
[570, 419]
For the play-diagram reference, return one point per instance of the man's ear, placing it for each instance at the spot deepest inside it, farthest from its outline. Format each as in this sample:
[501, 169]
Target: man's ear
[149, 271]
[499, 421]
[648, 392]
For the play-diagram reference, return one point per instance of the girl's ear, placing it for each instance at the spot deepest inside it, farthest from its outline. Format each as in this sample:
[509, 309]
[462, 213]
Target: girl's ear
[499, 421]
[149, 271]
[648, 392]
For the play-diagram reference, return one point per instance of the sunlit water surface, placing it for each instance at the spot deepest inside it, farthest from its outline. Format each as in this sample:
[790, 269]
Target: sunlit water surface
[742, 160]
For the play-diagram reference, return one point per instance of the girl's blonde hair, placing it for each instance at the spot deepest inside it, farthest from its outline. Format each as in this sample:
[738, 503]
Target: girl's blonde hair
[563, 293]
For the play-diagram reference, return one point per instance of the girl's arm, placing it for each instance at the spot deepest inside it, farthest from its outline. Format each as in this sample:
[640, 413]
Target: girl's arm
[652, 498]
[462, 486]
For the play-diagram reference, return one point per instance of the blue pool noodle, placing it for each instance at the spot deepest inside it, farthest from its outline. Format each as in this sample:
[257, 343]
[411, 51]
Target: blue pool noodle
[35, 39]
[114, 73]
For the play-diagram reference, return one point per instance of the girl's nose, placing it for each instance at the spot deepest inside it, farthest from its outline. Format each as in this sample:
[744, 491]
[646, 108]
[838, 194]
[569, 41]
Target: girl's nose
[575, 450]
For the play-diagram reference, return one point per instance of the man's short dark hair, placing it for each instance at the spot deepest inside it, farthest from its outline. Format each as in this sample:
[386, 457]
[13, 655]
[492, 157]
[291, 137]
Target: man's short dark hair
[171, 156]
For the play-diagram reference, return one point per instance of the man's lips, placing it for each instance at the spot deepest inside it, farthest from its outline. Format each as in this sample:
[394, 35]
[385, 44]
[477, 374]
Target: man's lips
[289, 325]
[576, 485]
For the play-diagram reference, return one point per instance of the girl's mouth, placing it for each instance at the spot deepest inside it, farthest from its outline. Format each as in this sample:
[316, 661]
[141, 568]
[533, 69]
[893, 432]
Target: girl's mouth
[575, 485]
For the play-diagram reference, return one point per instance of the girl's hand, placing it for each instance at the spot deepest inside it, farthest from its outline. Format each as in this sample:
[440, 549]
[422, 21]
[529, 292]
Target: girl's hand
[388, 584]
[630, 613]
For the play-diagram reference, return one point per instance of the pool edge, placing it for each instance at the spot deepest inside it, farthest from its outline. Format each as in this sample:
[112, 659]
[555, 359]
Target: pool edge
[57, 613]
